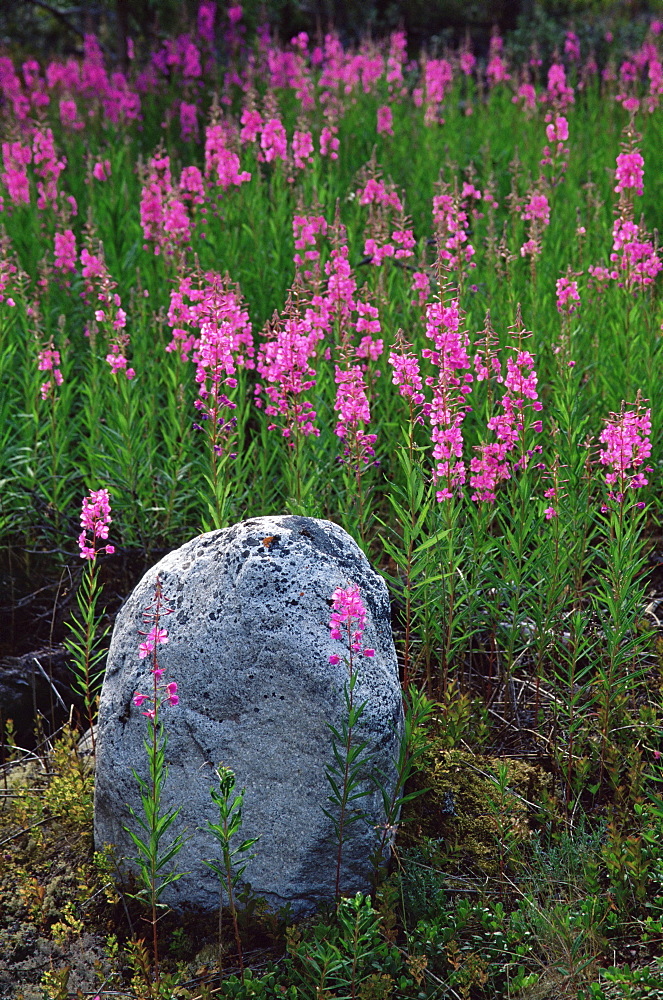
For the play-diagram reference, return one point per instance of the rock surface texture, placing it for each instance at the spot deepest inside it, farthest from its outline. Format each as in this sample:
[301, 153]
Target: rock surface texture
[249, 648]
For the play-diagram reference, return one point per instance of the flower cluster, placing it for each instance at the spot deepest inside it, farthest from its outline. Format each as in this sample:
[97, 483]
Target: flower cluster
[47, 168]
[493, 463]
[447, 410]
[65, 250]
[630, 172]
[163, 212]
[634, 254]
[406, 374]
[284, 362]
[16, 157]
[95, 519]
[554, 156]
[49, 361]
[626, 447]
[451, 221]
[155, 636]
[567, 295]
[348, 621]
[307, 229]
[222, 165]
[537, 213]
[497, 70]
[109, 311]
[385, 120]
[354, 415]
[101, 170]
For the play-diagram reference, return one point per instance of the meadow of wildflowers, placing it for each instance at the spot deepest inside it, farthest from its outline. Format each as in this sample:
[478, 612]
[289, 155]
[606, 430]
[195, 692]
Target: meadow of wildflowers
[416, 294]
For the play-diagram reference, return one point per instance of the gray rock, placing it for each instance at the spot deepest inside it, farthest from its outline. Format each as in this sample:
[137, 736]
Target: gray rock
[249, 648]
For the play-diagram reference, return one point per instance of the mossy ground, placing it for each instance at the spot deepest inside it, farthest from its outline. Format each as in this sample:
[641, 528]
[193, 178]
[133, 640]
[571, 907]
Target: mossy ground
[477, 882]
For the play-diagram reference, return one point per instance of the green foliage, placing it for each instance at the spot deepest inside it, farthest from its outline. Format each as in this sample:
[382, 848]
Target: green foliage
[153, 858]
[344, 956]
[86, 644]
[228, 868]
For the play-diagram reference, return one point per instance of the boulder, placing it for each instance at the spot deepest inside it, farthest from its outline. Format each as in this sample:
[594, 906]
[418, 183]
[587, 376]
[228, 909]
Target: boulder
[249, 647]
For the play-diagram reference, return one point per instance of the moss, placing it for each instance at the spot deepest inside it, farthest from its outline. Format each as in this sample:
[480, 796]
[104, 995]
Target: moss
[465, 810]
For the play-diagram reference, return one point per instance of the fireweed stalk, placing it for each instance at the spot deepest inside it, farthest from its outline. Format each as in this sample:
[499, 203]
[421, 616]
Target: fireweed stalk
[223, 347]
[347, 775]
[153, 858]
[620, 595]
[84, 645]
[410, 502]
[446, 412]
[512, 458]
[285, 364]
[55, 399]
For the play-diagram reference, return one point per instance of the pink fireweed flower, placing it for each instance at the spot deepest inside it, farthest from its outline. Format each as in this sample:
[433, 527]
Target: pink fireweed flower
[348, 621]
[385, 120]
[221, 163]
[406, 374]
[527, 94]
[405, 243]
[572, 46]
[49, 361]
[377, 192]
[95, 520]
[251, 122]
[155, 637]
[329, 142]
[224, 344]
[302, 149]
[378, 253]
[100, 285]
[47, 167]
[447, 410]
[354, 414]
[65, 251]
[205, 21]
[191, 187]
[567, 295]
[559, 93]
[420, 285]
[537, 213]
[163, 215]
[493, 463]
[273, 141]
[537, 208]
[69, 115]
[285, 363]
[308, 231]
[630, 172]
[626, 447]
[634, 254]
[496, 70]
[101, 170]
[467, 62]
[451, 221]
[16, 157]
[557, 132]
[188, 120]
[552, 493]
[162, 694]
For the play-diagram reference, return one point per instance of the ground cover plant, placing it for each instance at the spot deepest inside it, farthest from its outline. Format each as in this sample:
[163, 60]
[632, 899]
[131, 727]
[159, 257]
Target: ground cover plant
[418, 297]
